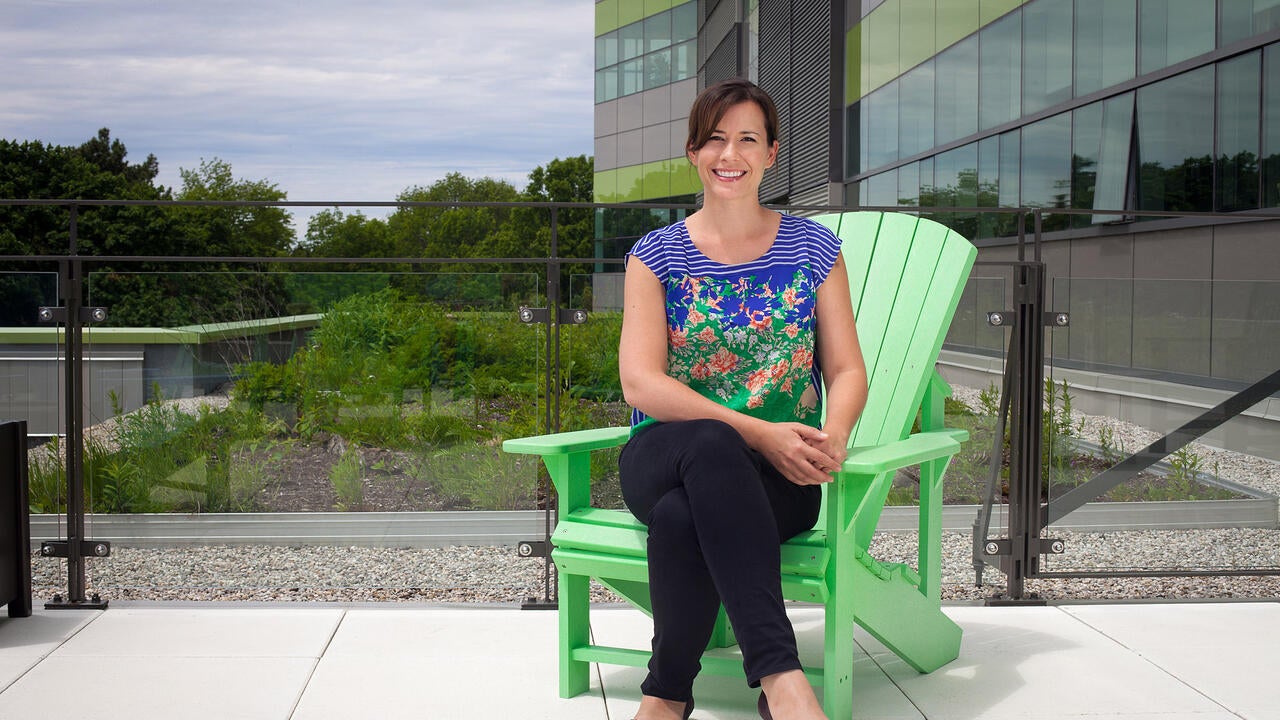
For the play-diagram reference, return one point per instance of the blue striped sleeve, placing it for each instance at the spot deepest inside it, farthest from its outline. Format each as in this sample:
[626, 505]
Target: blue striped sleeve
[652, 251]
[824, 247]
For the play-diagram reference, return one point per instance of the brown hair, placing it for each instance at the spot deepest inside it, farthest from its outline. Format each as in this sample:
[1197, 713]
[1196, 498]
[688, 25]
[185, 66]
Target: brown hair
[712, 103]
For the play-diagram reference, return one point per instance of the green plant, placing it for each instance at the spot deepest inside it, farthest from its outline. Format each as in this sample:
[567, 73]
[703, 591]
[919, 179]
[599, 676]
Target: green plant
[122, 489]
[989, 400]
[347, 478]
[480, 477]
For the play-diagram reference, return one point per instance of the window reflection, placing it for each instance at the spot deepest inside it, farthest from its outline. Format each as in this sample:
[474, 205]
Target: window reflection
[915, 114]
[1046, 166]
[1101, 158]
[1046, 54]
[649, 53]
[956, 92]
[1171, 31]
[882, 134]
[1175, 143]
[1001, 72]
[1242, 19]
[1106, 43]
[1239, 110]
[1271, 126]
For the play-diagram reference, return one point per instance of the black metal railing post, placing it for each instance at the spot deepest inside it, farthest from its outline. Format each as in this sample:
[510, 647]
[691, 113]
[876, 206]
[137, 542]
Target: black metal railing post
[75, 548]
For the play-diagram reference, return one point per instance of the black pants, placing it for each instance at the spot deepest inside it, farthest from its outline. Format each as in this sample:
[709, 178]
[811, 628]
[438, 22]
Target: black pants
[717, 512]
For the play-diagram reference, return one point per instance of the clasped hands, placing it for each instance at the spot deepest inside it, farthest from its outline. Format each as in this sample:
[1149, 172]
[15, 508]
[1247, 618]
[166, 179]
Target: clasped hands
[804, 455]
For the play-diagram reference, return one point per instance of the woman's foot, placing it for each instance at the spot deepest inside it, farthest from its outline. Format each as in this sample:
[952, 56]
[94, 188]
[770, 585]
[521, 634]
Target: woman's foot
[788, 696]
[655, 708]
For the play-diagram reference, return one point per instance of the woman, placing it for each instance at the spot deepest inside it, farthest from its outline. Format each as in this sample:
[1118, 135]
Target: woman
[728, 315]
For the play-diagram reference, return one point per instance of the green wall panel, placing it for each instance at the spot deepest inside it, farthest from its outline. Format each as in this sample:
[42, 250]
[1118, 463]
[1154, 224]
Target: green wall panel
[684, 178]
[630, 11]
[957, 19]
[884, 23]
[606, 17]
[604, 188]
[916, 31]
[653, 7]
[992, 10]
[852, 66]
[650, 181]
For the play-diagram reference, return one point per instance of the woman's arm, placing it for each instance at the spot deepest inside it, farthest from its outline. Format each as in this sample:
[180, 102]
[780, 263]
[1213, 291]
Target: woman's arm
[840, 358]
[642, 368]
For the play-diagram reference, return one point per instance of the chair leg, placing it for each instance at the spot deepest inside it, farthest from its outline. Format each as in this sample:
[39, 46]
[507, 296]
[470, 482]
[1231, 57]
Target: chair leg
[837, 656]
[575, 631]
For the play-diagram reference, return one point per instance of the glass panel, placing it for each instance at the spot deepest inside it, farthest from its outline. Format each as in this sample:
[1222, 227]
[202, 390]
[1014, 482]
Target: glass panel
[657, 69]
[1046, 167]
[607, 84]
[955, 176]
[31, 370]
[1246, 326]
[683, 61]
[1242, 19]
[1271, 126]
[882, 134]
[1175, 143]
[956, 92]
[1101, 135]
[988, 184]
[1046, 54]
[684, 22]
[657, 32]
[1106, 43]
[325, 393]
[1011, 168]
[1001, 72]
[607, 50]
[631, 41]
[854, 139]
[882, 189]
[927, 195]
[1196, 502]
[1239, 114]
[915, 115]
[632, 72]
[909, 184]
[589, 358]
[1174, 30]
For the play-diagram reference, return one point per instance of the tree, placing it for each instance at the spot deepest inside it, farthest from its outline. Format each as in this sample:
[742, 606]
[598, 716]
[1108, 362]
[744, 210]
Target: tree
[450, 231]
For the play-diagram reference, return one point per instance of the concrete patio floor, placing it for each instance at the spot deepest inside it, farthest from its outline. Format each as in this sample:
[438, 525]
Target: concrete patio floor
[1176, 661]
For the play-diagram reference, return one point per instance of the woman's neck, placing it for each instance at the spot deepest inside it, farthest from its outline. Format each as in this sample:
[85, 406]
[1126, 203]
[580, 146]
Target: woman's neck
[720, 221]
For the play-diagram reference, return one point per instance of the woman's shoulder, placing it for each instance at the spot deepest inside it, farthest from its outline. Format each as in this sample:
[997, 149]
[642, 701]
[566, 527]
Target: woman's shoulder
[661, 238]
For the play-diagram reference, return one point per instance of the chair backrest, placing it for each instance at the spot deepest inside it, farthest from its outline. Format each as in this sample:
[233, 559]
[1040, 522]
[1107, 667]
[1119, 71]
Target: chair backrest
[906, 275]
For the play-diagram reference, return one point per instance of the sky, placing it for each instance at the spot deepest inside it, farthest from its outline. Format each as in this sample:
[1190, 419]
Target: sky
[353, 100]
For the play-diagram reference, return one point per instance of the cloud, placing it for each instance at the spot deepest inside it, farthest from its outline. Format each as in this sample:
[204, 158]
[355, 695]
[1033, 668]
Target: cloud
[329, 100]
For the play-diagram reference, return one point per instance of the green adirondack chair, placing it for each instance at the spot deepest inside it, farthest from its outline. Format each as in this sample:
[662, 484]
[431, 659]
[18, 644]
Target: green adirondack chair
[905, 275]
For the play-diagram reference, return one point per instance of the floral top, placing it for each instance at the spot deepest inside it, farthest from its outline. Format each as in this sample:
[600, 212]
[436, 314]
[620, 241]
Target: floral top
[743, 335]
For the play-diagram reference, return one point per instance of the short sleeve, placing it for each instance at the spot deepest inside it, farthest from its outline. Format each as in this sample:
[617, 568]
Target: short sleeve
[824, 247]
[652, 250]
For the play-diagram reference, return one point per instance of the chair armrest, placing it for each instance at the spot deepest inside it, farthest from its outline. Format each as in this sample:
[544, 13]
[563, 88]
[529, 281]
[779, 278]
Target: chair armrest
[913, 450]
[568, 442]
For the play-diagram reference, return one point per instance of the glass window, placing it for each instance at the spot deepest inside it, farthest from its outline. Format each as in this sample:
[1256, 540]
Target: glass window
[1175, 143]
[882, 189]
[657, 69]
[1242, 19]
[657, 32]
[956, 186]
[1046, 166]
[853, 140]
[684, 22]
[1171, 31]
[1046, 54]
[882, 133]
[1239, 114]
[956, 92]
[632, 77]
[1001, 71]
[607, 50]
[1010, 168]
[1271, 126]
[631, 41]
[607, 84]
[988, 184]
[682, 61]
[915, 111]
[909, 184]
[1106, 43]
[1101, 136]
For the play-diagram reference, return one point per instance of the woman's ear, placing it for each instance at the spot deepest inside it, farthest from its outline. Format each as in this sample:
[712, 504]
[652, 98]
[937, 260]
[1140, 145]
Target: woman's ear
[773, 155]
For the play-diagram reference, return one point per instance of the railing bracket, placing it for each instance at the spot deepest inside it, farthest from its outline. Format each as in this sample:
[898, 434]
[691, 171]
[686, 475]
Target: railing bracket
[62, 548]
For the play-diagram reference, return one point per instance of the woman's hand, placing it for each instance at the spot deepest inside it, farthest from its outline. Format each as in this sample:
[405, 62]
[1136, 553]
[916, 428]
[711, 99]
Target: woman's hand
[797, 450]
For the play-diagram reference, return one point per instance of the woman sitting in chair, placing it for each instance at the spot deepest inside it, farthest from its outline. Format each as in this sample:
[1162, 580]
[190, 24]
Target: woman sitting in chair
[728, 317]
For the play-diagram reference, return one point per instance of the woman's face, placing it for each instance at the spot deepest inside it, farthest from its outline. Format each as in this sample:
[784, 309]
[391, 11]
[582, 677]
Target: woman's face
[733, 160]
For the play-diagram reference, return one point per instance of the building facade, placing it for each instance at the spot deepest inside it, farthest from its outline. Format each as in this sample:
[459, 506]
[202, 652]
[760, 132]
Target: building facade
[1127, 106]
